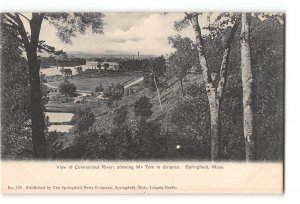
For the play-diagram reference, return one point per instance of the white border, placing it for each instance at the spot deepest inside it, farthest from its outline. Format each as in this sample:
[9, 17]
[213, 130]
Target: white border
[143, 5]
[292, 136]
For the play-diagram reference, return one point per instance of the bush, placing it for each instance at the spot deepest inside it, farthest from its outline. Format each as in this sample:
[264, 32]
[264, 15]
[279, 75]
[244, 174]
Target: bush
[79, 70]
[108, 91]
[119, 88]
[118, 92]
[67, 88]
[83, 120]
[102, 145]
[148, 141]
[191, 120]
[99, 88]
[97, 145]
[117, 96]
[109, 103]
[120, 116]
[192, 90]
[143, 107]
[114, 93]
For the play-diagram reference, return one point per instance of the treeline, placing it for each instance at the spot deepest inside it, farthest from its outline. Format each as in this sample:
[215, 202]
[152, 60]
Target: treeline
[66, 62]
[134, 65]
[138, 64]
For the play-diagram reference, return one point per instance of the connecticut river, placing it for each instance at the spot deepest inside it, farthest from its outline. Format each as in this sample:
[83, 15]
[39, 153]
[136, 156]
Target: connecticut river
[59, 118]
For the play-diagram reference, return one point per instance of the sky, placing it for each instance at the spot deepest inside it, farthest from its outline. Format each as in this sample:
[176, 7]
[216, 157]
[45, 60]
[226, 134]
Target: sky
[124, 33]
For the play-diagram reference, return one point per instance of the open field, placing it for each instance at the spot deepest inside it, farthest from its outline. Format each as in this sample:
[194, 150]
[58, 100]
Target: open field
[89, 84]
[64, 107]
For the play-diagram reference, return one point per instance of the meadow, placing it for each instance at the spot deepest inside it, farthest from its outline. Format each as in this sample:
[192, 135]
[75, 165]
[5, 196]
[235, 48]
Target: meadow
[84, 83]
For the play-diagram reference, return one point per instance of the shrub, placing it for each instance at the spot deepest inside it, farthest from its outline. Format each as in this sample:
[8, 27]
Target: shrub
[114, 92]
[191, 120]
[99, 88]
[117, 96]
[119, 88]
[109, 103]
[108, 91]
[118, 92]
[67, 88]
[97, 145]
[120, 116]
[193, 90]
[147, 140]
[143, 107]
[79, 70]
[102, 145]
[83, 120]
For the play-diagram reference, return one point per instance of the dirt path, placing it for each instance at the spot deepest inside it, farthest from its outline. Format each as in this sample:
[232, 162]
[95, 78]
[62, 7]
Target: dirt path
[134, 83]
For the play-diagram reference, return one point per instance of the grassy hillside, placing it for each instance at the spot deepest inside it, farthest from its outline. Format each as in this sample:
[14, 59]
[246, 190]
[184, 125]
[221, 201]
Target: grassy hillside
[170, 96]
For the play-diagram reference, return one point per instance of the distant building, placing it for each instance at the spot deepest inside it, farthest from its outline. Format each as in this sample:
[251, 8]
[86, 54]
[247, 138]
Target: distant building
[112, 65]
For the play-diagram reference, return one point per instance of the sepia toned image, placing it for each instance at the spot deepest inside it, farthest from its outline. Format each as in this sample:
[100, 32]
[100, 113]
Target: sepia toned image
[185, 92]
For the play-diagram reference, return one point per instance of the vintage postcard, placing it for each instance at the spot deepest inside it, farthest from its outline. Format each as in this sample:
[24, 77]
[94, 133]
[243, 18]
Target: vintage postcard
[142, 103]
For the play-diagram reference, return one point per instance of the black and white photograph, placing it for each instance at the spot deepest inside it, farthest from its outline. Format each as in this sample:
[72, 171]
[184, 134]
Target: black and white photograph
[140, 86]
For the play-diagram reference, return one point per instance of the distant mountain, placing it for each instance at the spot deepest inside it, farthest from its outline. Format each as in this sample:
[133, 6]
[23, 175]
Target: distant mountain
[85, 55]
[107, 53]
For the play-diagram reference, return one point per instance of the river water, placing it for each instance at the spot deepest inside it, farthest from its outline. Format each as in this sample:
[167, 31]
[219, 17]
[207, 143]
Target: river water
[52, 71]
[59, 118]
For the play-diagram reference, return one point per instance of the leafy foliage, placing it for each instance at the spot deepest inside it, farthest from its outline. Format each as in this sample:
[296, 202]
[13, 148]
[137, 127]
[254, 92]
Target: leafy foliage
[15, 105]
[120, 116]
[191, 119]
[147, 138]
[268, 60]
[154, 72]
[267, 38]
[183, 59]
[99, 88]
[106, 66]
[67, 88]
[69, 24]
[83, 120]
[142, 107]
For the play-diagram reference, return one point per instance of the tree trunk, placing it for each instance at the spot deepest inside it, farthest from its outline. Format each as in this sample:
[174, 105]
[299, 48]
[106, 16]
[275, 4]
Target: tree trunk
[214, 90]
[37, 115]
[211, 92]
[215, 131]
[247, 81]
